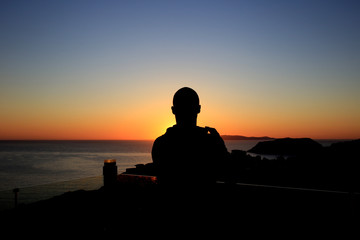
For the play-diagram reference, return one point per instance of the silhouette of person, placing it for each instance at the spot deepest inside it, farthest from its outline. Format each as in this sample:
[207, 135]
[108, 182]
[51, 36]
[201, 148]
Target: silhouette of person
[187, 155]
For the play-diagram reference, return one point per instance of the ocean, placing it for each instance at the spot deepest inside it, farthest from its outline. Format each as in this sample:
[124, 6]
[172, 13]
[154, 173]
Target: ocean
[42, 169]
[31, 163]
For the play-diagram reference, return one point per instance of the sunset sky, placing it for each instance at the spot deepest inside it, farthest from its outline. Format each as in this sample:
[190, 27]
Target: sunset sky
[109, 69]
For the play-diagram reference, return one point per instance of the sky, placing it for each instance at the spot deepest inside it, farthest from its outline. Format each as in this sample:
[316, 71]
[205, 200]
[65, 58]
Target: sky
[109, 69]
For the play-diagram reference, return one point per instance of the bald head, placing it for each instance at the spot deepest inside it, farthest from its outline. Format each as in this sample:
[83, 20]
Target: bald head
[186, 106]
[186, 97]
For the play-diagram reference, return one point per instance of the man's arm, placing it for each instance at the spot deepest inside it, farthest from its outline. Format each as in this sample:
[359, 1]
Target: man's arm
[219, 142]
[155, 152]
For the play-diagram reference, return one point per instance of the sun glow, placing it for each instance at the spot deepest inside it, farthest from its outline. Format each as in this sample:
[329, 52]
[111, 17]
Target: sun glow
[115, 78]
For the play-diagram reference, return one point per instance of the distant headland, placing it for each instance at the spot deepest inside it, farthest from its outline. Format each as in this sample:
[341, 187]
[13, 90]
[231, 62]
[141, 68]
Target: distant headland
[239, 137]
[287, 146]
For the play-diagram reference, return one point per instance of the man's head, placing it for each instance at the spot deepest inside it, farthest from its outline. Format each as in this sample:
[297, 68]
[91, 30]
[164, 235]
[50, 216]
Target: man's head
[186, 106]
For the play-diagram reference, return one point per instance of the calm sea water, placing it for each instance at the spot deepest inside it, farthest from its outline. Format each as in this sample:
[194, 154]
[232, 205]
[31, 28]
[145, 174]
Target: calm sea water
[42, 169]
[31, 163]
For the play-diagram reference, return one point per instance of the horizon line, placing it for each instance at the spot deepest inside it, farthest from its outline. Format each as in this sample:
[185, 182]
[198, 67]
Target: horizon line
[226, 135]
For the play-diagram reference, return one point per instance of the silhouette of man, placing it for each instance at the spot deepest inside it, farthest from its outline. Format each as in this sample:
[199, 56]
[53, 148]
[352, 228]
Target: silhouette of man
[188, 155]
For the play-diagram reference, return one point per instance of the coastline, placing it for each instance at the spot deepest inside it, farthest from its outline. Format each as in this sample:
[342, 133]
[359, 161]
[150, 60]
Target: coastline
[253, 191]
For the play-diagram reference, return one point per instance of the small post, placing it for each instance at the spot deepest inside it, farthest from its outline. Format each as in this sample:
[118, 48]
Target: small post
[110, 172]
[15, 191]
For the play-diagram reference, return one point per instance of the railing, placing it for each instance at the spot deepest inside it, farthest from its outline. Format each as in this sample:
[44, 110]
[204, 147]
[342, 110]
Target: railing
[11, 198]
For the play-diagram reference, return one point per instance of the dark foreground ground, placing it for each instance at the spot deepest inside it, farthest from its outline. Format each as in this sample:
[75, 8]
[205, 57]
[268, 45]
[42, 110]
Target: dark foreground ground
[266, 198]
[226, 211]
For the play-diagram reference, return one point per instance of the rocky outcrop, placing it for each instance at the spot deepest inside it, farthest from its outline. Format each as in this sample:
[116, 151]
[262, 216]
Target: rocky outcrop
[287, 146]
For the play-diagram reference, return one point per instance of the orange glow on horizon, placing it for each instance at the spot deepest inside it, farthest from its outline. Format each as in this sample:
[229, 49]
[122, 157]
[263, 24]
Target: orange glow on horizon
[109, 71]
[148, 125]
[148, 117]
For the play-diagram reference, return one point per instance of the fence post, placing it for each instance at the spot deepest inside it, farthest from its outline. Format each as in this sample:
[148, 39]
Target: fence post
[15, 191]
[110, 172]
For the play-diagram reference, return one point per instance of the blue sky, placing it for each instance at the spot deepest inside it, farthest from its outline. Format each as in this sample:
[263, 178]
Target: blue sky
[283, 55]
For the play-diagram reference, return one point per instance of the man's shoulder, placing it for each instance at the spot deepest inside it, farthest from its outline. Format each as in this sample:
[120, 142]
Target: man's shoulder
[175, 132]
[165, 136]
[212, 131]
[160, 139]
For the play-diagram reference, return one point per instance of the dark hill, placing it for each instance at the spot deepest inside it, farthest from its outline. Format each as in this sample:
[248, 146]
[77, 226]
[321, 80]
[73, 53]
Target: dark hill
[239, 137]
[346, 147]
[287, 146]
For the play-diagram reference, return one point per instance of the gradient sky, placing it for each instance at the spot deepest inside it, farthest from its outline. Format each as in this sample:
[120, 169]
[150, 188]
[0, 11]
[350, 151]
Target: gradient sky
[109, 69]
